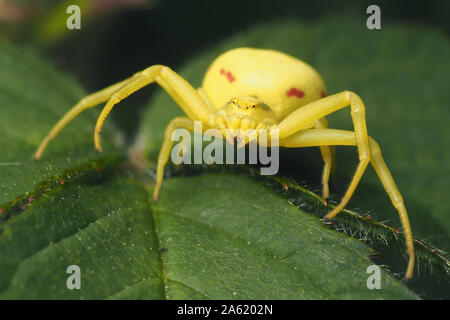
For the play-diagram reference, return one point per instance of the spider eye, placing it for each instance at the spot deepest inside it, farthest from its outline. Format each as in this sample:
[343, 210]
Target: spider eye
[253, 106]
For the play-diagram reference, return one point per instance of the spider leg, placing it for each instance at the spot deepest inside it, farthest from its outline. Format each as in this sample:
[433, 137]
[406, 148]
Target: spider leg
[87, 102]
[303, 117]
[179, 122]
[178, 88]
[205, 99]
[325, 137]
[327, 153]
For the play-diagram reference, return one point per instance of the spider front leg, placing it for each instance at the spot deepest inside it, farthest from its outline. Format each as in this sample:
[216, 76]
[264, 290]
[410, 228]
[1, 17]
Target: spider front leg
[87, 102]
[303, 117]
[178, 88]
[326, 137]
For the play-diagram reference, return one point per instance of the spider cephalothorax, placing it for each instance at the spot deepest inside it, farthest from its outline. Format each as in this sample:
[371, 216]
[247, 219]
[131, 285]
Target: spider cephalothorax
[244, 116]
[249, 89]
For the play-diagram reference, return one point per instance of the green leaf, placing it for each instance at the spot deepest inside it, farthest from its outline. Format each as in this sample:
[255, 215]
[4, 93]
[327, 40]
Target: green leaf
[104, 228]
[230, 237]
[216, 235]
[222, 248]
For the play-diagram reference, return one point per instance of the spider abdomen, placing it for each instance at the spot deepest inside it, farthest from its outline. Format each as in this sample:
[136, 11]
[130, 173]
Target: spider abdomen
[280, 81]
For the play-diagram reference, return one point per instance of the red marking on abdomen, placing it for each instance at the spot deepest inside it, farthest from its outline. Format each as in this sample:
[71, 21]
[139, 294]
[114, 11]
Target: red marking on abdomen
[230, 77]
[228, 74]
[295, 92]
[323, 94]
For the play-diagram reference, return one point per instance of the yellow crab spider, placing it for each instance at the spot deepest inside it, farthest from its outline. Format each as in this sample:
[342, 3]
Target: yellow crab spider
[248, 88]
